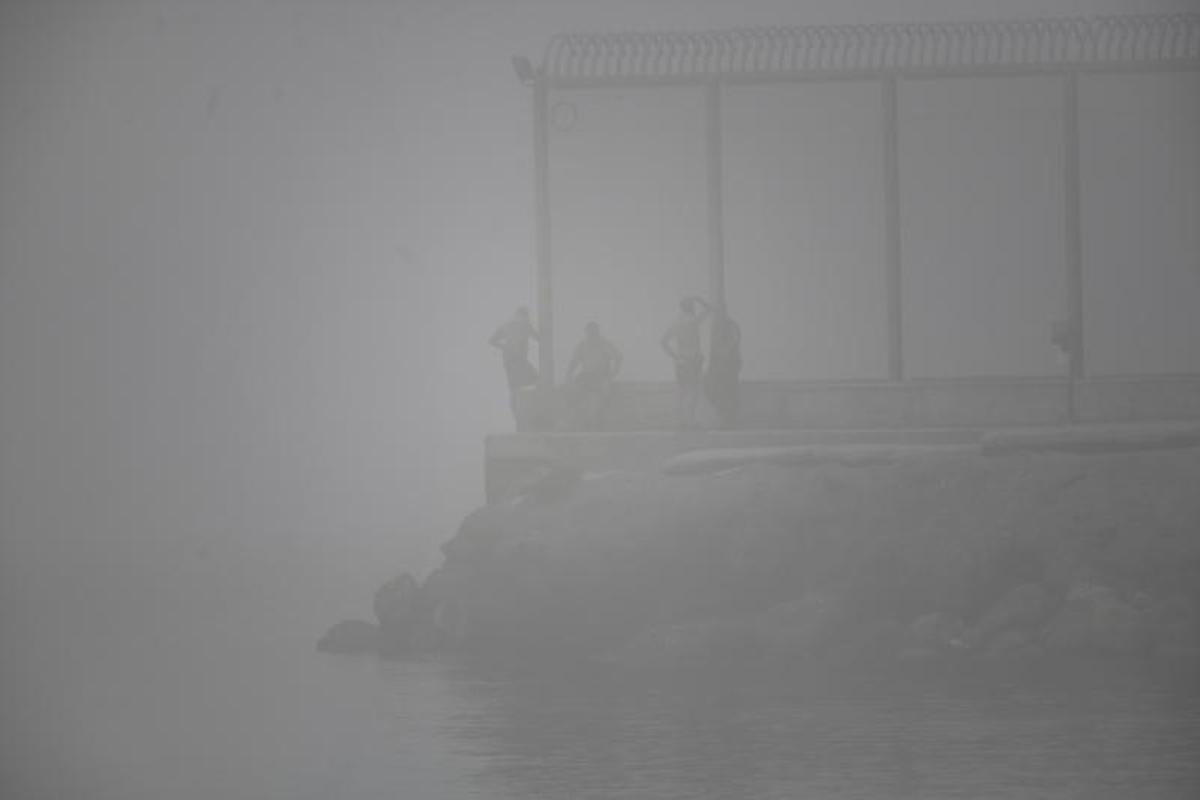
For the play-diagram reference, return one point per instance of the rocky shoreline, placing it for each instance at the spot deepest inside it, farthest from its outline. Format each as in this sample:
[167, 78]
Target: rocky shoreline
[966, 557]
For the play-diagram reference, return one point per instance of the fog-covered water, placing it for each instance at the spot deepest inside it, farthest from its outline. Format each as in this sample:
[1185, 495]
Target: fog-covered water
[250, 254]
[232, 712]
[1104, 735]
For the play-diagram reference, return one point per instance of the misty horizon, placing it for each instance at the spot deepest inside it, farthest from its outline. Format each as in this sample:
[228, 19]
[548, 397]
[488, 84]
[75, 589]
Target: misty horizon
[251, 255]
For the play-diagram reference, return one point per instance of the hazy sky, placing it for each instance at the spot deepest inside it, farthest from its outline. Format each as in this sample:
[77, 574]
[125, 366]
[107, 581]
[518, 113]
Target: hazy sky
[250, 254]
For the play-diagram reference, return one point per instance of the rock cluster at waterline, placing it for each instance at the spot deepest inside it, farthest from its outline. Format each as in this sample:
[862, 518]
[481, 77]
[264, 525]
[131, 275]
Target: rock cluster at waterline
[1002, 558]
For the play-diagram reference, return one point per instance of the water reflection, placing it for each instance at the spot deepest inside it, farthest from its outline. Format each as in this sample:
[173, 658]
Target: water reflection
[565, 734]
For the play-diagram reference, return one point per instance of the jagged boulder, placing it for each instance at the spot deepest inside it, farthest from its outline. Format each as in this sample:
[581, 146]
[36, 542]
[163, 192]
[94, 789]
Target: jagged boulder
[1094, 618]
[397, 608]
[873, 642]
[937, 631]
[1013, 646]
[582, 564]
[674, 644]
[350, 636]
[395, 601]
[801, 625]
[445, 591]
[917, 655]
[477, 536]
[1022, 608]
[1174, 624]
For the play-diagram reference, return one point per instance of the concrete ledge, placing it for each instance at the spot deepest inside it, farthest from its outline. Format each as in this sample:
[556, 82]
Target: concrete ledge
[1016, 414]
[639, 448]
[1094, 439]
[851, 455]
[509, 459]
[1138, 399]
[975, 402]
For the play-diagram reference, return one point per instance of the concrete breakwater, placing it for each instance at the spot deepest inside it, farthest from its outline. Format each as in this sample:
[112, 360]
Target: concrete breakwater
[1002, 554]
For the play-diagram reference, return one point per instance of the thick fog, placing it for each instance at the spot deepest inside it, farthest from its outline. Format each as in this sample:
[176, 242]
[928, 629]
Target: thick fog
[250, 256]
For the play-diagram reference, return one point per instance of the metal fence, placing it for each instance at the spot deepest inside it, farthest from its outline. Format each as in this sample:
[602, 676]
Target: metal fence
[874, 48]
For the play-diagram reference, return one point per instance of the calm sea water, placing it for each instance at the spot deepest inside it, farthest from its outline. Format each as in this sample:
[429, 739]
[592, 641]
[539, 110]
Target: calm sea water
[1075, 734]
[213, 711]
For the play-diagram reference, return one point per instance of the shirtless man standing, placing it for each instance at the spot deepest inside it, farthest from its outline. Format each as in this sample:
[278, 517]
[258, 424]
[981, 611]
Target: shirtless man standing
[512, 340]
[682, 343]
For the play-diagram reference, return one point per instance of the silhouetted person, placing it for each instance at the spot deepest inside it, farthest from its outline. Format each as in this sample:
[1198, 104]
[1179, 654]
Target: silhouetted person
[590, 373]
[682, 343]
[512, 339]
[724, 367]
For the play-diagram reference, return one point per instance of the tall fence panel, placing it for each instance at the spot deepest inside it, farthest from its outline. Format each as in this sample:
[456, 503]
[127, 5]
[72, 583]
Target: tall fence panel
[628, 216]
[805, 228]
[981, 225]
[1140, 221]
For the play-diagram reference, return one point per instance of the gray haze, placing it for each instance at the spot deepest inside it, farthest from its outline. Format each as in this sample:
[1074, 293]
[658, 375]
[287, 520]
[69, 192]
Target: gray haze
[250, 254]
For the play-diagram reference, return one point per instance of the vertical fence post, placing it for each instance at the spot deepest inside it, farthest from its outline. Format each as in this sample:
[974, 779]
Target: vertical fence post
[716, 211]
[891, 180]
[545, 285]
[1074, 246]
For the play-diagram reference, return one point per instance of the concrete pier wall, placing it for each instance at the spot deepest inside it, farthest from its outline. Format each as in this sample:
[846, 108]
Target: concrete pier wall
[788, 405]
[641, 430]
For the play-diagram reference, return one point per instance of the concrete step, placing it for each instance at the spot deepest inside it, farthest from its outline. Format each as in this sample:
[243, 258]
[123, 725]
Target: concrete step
[551, 445]
[509, 456]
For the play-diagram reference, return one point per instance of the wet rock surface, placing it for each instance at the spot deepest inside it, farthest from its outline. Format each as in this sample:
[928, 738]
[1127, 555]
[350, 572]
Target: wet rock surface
[1021, 609]
[946, 557]
[937, 631]
[1094, 618]
[350, 636]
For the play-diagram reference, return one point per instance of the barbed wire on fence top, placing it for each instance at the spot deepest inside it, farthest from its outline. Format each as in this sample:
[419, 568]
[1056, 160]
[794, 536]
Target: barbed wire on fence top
[1044, 42]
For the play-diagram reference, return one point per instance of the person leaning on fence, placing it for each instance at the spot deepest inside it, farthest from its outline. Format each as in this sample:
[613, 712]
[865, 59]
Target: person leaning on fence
[590, 373]
[682, 343]
[512, 340]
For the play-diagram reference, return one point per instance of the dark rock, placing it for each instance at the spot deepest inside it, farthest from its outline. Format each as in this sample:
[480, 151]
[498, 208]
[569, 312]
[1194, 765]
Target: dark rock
[917, 655]
[937, 631]
[1014, 647]
[1185, 660]
[1093, 618]
[673, 644]
[402, 616]
[556, 482]
[589, 563]
[350, 636]
[1023, 607]
[875, 642]
[477, 535]
[802, 624]
[1009, 640]
[1174, 622]
[1178, 634]
[395, 601]
[446, 593]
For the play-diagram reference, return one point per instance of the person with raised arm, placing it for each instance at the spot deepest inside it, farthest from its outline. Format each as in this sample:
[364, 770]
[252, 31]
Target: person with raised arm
[512, 340]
